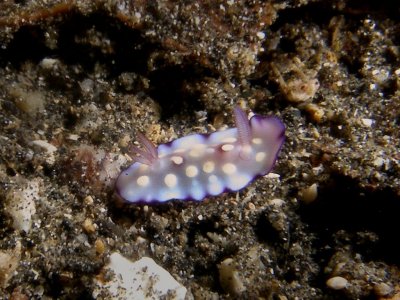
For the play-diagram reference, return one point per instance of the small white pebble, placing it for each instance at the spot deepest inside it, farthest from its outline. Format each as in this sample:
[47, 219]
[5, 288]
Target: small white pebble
[276, 202]
[378, 162]
[49, 63]
[367, 122]
[272, 175]
[261, 35]
[73, 137]
[337, 283]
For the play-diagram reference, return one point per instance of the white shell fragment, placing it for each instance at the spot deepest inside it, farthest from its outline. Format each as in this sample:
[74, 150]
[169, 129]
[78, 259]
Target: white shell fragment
[143, 279]
[20, 205]
[367, 122]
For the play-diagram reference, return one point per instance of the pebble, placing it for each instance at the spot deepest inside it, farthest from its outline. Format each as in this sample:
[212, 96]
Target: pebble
[99, 246]
[276, 202]
[261, 35]
[316, 112]
[88, 226]
[337, 283]
[88, 200]
[367, 122]
[49, 63]
[229, 277]
[309, 194]
[382, 289]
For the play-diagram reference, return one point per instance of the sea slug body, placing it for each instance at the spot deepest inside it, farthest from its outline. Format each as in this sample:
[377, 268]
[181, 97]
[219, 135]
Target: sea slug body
[200, 165]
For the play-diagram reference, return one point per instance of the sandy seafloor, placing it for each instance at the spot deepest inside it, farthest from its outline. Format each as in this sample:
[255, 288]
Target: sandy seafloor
[78, 80]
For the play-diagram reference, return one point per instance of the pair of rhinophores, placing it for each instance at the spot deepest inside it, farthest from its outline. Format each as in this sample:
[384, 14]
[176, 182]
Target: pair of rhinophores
[200, 165]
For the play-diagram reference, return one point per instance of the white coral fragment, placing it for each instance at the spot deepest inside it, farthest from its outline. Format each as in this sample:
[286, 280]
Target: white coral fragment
[20, 205]
[143, 279]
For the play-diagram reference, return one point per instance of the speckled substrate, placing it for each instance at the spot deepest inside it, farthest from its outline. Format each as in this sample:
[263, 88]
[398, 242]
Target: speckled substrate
[79, 78]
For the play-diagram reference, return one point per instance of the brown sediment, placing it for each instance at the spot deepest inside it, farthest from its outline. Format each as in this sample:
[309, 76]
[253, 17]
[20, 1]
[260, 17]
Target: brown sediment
[33, 16]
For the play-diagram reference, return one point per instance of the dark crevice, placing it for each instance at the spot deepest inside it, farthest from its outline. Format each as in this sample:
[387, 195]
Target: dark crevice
[123, 54]
[202, 228]
[322, 12]
[128, 51]
[343, 205]
[28, 44]
[169, 89]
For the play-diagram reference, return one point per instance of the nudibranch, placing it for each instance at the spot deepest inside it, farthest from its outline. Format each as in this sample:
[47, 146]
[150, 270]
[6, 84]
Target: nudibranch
[200, 165]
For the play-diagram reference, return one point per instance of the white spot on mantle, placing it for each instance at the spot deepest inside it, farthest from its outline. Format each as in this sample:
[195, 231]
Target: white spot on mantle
[143, 180]
[191, 171]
